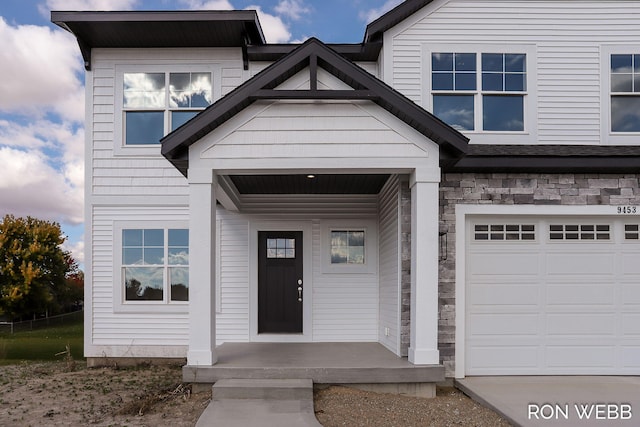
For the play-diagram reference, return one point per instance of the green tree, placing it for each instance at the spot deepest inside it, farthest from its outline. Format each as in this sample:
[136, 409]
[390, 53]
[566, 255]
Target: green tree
[33, 266]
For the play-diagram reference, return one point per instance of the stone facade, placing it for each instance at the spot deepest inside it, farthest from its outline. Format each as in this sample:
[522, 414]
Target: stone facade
[512, 189]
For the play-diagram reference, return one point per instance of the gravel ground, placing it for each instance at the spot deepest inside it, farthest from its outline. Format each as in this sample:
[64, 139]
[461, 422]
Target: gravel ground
[70, 394]
[342, 406]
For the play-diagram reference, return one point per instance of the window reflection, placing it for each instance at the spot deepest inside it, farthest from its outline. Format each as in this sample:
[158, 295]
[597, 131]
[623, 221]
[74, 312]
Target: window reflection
[347, 247]
[456, 110]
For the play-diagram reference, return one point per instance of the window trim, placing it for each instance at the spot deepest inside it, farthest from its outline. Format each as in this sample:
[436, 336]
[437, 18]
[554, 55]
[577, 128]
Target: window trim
[370, 265]
[607, 136]
[529, 134]
[120, 305]
[119, 146]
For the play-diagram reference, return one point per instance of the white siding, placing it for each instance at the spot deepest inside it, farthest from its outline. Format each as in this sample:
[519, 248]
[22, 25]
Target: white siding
[389, 268]
[111, 328]
[568, 36]
[345, 306]
[117, 173]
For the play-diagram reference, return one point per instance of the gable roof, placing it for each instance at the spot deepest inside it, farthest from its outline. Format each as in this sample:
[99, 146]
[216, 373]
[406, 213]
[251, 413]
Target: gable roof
[150, 29]
[313, 54]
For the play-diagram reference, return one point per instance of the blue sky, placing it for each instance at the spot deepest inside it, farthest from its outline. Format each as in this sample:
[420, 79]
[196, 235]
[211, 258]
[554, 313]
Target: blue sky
[42, 91]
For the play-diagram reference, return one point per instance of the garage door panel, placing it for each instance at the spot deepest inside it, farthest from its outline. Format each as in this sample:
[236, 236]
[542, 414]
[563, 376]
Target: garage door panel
[631, 324]
[580, 356]
[503, 324]
[630, 357]
[584, 265]
[509, 358]
[580, 324]
[630, 264]
[556, 306]
[631, 294]
[565, 295]
[511, 264]
[511, 294]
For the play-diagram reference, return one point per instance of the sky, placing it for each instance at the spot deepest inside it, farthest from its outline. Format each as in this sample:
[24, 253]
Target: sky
[42, 91]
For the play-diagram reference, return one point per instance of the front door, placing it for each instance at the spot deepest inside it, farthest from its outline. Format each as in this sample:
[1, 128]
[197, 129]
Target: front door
[280, 286]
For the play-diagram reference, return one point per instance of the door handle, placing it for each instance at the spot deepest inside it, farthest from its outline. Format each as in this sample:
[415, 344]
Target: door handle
[299, 293]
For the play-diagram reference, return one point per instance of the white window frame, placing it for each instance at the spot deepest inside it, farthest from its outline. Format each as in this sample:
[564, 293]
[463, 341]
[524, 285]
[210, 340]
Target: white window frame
[370, 265]
[529, 134]
[120, 147]
[607, 136]
[120, 305]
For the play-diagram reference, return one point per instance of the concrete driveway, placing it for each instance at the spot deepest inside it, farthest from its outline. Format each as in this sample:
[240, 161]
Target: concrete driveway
[559, 401]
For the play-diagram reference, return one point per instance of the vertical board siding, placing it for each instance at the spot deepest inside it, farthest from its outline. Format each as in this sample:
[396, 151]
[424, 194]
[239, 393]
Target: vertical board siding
[388, 229]
[567, 35]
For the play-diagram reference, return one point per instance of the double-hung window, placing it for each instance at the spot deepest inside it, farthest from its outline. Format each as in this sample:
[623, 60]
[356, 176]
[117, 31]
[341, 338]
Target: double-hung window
[156, 103]
[155, 264]
[483, 92]
[625, 92]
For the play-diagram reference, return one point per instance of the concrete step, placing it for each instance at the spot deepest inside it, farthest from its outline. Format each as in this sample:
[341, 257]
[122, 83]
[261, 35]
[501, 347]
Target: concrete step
[271, 389]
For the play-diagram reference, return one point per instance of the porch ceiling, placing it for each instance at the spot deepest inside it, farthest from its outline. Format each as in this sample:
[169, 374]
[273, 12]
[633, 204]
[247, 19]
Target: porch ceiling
[303, 184]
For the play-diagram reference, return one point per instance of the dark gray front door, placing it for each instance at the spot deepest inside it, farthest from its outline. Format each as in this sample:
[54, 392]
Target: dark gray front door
[280, 286]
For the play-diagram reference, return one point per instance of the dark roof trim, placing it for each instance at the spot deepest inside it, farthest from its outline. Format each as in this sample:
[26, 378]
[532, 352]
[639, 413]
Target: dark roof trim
[156, 29]
[313, 53]
[375, 29]
[548, 158]
[368, 52]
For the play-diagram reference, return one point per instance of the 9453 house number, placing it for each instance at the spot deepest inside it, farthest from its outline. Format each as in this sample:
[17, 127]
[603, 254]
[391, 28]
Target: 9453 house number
[628, 210]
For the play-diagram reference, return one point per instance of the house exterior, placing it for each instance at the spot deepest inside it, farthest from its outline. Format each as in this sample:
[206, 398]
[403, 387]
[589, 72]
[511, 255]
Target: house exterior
[462, 187]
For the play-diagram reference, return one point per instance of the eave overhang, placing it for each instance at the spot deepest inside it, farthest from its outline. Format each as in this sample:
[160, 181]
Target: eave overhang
[312, 54]
[161, 29]
[376, 29]
[548, 159]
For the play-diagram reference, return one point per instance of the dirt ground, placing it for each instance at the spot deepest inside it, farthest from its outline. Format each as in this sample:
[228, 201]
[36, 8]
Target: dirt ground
[70, 394]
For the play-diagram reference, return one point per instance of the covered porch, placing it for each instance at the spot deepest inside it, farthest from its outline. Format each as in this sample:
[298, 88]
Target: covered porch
[314, 113]
[360, 364]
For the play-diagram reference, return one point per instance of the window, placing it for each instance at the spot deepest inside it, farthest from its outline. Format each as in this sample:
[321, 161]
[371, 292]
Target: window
[281, 248]
[155, 264]
[347, 246]
[631, 232]
[579, 232]
[625, 92]
[504, 232]
[156, 103]
[491, 99]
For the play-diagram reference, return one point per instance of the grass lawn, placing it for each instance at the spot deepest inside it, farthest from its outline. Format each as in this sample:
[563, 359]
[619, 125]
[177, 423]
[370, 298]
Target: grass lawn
[42, 344]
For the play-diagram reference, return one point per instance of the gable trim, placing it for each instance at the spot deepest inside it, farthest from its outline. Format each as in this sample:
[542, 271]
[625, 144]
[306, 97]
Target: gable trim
[311, 54]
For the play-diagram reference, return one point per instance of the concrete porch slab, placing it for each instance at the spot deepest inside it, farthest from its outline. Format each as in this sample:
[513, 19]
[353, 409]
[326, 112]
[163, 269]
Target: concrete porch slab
[324, 363]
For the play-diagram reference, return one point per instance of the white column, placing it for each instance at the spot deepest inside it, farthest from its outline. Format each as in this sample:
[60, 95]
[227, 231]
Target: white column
[202, 294]
[423, 348]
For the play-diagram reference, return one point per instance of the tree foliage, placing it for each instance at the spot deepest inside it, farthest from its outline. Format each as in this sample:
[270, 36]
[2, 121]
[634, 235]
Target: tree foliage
[35, 272]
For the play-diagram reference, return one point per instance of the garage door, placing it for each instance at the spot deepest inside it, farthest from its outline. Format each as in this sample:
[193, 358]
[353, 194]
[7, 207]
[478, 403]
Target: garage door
[552, 296]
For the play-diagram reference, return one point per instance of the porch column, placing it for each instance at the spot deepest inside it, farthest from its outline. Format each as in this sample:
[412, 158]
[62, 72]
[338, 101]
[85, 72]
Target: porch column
[202, 294]
[423, 348]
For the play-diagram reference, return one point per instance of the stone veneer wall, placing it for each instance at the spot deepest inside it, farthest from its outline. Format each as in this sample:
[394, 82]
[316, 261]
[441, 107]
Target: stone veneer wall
[510, 189]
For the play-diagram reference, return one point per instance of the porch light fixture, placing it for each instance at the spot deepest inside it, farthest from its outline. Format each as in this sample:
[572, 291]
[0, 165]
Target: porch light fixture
[443, 245]
[311, 176]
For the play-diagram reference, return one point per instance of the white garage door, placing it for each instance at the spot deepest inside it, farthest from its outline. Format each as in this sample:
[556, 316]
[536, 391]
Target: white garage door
[554, 295]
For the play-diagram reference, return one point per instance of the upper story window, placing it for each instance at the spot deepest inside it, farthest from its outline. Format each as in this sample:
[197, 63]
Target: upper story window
[156, 103]
[625, 92]
[480, 92]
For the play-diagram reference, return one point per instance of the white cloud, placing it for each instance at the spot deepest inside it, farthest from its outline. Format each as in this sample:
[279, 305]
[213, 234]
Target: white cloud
[76, 249]
[294, 9]
[373, 14]
[106, 5]
[40, 71]
[207, 4]
[30, 186]
[275, 31]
